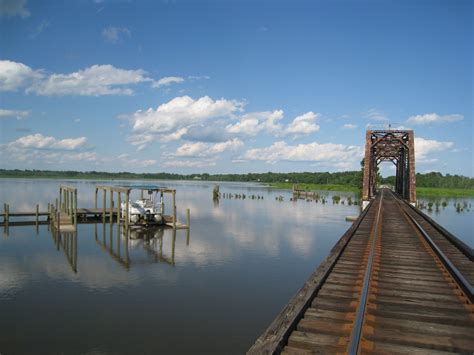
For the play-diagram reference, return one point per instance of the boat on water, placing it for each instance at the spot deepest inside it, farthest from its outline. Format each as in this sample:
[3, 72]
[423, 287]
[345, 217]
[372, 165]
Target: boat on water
[145, 210]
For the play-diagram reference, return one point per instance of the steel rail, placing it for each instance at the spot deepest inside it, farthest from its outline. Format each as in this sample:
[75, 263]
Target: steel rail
[452, 269]
[457, 275]
[359, 321]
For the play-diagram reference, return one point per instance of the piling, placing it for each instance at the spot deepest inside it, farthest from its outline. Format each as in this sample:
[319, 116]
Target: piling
[174, 209]
[37, 213]
[188, 217]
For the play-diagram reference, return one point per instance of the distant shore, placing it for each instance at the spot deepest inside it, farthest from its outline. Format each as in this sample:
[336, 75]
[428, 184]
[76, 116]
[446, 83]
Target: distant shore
[348, 180]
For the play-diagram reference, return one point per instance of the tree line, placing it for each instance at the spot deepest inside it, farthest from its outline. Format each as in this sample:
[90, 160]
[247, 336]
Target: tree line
[351, 178]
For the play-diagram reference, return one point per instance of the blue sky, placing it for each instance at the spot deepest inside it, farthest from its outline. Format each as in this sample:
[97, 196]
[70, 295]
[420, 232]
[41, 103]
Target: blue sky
[232, 86]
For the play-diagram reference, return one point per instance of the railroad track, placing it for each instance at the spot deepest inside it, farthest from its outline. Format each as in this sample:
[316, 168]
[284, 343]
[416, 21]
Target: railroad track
[399, 286]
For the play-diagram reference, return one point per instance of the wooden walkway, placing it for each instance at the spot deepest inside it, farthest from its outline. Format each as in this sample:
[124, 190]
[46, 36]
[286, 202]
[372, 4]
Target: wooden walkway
[396, 282]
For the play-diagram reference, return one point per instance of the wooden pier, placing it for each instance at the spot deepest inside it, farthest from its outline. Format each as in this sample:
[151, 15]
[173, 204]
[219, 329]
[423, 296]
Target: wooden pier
[64, 214]
[396, 282]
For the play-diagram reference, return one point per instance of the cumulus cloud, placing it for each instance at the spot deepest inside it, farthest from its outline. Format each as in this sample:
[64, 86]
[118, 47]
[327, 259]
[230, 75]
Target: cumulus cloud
[317, 152]
[47, 150]
[11, 8]
[166, 81]
[93, 81]
[425, 147]
[200, 149]
[14, 76]
[38, 141]
[304, 124]
[114, 34]
[13, 114]
[253, 123]
[434, 118]
[349, 126]
[170, 119]
[188, 163]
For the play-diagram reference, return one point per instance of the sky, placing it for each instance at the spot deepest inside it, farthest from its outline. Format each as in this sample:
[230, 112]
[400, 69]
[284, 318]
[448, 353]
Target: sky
[233, 86]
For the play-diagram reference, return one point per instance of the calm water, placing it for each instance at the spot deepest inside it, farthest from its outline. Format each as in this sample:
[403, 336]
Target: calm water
[213, 290]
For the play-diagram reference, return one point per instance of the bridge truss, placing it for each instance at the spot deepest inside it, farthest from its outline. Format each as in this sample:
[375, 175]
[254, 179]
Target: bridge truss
[397, 146]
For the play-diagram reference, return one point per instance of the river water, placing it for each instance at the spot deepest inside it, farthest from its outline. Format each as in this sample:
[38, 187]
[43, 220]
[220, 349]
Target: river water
[212, 290]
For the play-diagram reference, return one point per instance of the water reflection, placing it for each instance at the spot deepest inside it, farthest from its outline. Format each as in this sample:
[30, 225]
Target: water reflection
[67, 241]
[151, 240]
[119, 252]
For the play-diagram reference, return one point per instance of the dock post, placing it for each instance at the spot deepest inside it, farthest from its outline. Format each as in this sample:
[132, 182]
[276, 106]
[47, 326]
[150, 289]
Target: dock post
[75, 210]
[127, 211]
[37, 213]
[95, 199]
[188, 217]
[59, 221]
[57, 205]
[119, 202]
[8, 213]
[60, 199]
[5, 213]
[111, 211]
[104, 202]
[174, 209]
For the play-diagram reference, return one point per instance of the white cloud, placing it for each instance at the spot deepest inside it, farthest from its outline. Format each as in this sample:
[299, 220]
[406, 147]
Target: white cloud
[349, 126]
[93, 81]
[188, 163]
[434, 118]
[317, 152]
[136, 163]
[166, 81]
[114, 34]
[200, 149]
[37, 148]
[253, 123]
[304, 124]
[424, 147]
[13, 113]
[38, 141]
[375, 115]
[10, 8]
[14, 76]
[182, 112]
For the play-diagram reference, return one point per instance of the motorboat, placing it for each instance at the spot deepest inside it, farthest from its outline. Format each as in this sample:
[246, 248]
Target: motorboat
[144, 210]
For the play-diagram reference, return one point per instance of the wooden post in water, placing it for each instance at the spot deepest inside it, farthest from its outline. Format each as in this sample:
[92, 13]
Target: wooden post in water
[188, 217]
[37, 214]
[75, 209]
[57, 205]
[111, 211]
[119, 202]
[104, 202]
[59, 221]
[174, 209]
[60, 199]
[127, 211]
[95, 199]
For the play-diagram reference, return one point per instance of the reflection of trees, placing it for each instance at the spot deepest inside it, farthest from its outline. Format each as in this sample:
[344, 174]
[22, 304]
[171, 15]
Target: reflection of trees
[67, 241]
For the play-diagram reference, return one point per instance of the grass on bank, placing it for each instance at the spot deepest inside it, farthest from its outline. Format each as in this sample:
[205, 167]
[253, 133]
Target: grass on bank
[420, 191]
[310, 187]
[445, 192]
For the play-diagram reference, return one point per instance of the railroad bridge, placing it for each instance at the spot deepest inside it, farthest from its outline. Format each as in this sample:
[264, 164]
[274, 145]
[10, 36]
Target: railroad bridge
[396, 281]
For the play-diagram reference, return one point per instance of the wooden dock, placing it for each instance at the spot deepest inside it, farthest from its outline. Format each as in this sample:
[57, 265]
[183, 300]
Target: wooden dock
[64, 214]
[396, 282]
